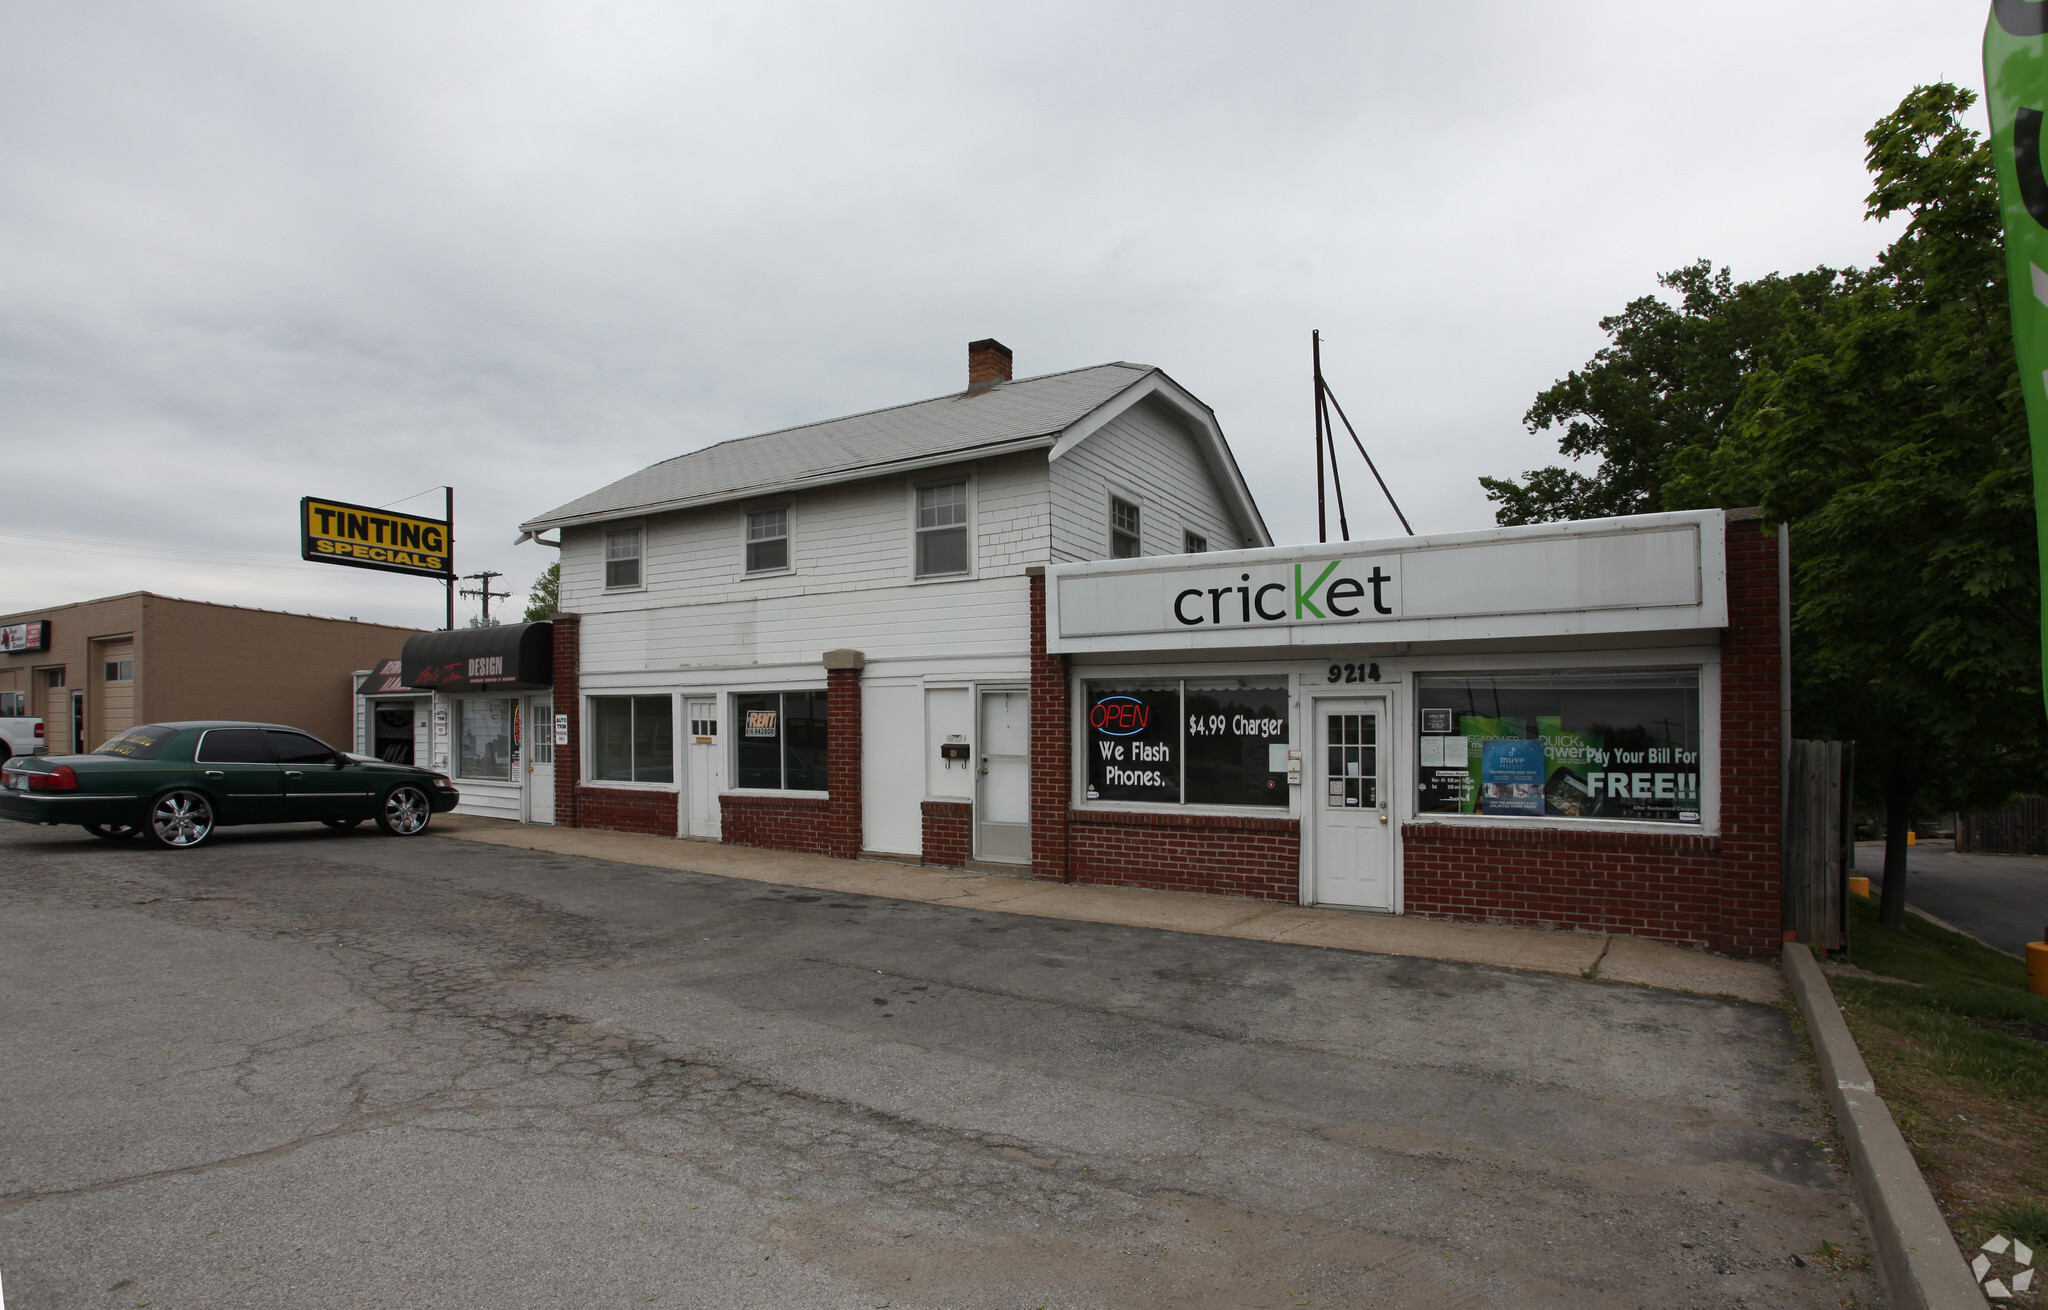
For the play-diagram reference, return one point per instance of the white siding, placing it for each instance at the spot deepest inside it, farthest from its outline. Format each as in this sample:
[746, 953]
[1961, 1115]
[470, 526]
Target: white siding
[1145, 452]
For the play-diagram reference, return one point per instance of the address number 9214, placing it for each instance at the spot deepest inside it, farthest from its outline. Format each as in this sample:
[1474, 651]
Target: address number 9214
[1354, 673]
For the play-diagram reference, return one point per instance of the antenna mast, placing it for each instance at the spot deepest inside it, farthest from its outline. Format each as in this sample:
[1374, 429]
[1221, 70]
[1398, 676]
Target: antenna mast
[1326, 432]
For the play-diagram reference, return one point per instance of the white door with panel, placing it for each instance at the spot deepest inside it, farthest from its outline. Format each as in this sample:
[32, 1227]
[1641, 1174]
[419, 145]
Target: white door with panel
[1349, 786]
[540, 759]
[1002, 792]
[700, 815]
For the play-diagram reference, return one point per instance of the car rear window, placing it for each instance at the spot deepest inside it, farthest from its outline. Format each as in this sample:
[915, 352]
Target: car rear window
[139, 743]
[234, 746]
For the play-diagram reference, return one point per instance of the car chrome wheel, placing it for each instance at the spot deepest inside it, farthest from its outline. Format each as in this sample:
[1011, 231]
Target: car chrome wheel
[181, 819]
[405, 812]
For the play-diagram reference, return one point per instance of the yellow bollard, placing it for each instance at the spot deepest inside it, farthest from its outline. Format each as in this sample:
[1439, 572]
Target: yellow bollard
[2037, 968]
[1859, 886]
[1912, 838]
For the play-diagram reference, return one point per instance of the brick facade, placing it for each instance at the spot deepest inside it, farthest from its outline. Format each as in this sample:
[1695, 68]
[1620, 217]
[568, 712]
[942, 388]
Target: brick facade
[1051, 749]
[569, 707]
[1220, 854]
[779, 823]
[948, 833]
[1720, 892]
[623, 809]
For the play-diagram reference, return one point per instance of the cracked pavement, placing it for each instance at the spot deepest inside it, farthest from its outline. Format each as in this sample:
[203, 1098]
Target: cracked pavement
[299, 1068]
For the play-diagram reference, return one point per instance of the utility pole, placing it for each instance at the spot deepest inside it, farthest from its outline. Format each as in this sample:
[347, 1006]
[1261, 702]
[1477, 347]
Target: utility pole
[483, 589]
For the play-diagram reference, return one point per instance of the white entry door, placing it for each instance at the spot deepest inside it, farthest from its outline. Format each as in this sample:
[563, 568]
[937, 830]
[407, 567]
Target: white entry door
[1002, 791]
[540, 759]
[700, 816]
[1354, 838]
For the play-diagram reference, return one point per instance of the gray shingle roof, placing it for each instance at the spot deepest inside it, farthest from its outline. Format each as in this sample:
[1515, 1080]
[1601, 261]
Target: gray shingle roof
[1010, 414]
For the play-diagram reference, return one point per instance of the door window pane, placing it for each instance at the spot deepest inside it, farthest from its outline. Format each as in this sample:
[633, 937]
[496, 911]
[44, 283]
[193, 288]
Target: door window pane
[1351, 760]
[1233, 727]
[484, 739]
[1577, 746]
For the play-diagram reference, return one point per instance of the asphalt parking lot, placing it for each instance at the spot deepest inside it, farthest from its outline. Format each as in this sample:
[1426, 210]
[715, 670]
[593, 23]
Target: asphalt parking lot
[297, 1068]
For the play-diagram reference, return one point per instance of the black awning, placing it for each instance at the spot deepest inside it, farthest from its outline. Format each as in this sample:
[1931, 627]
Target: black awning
[511, 657]
[386, 679]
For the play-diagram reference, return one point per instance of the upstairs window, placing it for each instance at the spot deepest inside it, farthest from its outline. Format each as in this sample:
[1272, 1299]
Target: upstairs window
[942, 529]
[767, 540]
[1123, 529]
[1193, 543]
[622, 559]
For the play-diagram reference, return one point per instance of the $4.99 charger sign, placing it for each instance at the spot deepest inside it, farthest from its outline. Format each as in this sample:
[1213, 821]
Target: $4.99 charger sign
[335, 532]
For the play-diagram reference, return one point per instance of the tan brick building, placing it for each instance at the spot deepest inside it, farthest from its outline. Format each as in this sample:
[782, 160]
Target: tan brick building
[103, 666]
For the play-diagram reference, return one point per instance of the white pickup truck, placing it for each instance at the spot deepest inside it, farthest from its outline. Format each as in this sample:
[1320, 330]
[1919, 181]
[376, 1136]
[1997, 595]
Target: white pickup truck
[21, 736]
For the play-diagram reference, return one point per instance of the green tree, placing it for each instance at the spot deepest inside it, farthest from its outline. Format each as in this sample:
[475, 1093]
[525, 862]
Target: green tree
[1879, 413]
[546, 596]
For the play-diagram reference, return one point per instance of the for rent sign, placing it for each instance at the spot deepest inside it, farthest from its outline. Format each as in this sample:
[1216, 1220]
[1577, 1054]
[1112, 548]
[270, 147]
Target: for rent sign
[335, 532]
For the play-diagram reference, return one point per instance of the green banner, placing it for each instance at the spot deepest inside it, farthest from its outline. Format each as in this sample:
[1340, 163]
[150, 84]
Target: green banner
[2016, 94]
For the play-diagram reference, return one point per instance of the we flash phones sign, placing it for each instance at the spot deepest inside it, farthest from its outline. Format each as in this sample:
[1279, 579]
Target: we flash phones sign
[336, 532]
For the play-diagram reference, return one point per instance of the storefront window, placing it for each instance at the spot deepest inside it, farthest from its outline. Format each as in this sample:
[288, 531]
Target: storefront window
[632, 739]
[1578, 746]
[780, 742]
[1217, 741]
[483, 731]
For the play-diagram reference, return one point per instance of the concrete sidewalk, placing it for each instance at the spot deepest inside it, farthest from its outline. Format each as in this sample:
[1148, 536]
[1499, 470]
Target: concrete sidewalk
[1609, 958]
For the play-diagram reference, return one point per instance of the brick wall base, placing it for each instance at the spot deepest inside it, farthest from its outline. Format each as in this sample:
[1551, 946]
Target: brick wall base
[1654, 885]
[778, 823]
[948, 833]
[619, 810]
[1220, 854]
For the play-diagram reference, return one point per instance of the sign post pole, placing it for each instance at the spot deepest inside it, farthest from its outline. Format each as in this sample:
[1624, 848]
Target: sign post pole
[450, 516]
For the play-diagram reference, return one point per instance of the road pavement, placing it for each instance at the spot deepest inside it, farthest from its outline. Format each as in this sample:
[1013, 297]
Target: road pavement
[2001, 900]
[297, 1068]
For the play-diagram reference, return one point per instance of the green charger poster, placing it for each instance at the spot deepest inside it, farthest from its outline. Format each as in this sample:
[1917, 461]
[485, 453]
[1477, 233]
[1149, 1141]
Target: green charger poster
[2016, 94]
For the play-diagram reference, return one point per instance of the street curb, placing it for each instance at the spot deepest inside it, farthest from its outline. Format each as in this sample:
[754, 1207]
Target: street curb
[1922, 1265]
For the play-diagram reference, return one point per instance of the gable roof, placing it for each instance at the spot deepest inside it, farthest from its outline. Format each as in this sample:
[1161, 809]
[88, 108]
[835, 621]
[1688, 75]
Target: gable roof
[1027, 414]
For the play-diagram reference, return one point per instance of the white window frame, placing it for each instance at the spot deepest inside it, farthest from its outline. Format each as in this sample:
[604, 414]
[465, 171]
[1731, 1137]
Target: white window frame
[1191, 541]
[788, 508]
[586, 768]
[972, 525]
[604, 554]
[1135, 502]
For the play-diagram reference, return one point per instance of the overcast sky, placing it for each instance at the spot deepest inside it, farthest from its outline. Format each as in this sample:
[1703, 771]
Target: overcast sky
[250, 252]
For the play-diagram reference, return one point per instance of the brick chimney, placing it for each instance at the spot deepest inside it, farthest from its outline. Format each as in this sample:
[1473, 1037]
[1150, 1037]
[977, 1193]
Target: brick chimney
[988, 362]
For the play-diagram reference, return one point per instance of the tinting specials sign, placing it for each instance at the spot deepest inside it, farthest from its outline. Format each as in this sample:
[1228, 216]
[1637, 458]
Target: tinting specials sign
[33, 635]
[336, 532]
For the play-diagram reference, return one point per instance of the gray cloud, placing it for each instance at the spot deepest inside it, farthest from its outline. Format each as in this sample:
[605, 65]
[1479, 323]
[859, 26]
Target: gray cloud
[253, 251]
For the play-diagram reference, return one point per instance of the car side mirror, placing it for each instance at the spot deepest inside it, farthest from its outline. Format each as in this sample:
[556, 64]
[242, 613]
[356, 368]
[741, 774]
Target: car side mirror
[340, 760]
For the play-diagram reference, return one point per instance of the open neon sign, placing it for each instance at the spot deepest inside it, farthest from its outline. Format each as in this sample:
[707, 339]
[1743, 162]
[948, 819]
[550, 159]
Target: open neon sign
[1119, 716]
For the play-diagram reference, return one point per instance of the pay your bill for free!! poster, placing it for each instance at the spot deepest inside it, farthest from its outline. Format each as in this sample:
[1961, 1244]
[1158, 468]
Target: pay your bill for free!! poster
[1499, 766]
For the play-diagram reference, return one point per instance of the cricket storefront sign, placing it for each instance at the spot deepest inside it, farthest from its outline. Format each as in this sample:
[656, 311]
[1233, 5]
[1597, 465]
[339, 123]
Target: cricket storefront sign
[336, 532]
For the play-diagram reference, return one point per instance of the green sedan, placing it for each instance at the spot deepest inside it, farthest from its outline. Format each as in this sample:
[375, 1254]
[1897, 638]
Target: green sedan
[177, 782]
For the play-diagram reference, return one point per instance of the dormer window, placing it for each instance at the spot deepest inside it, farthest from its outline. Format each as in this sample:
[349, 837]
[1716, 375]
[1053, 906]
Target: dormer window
[1123, 529]
[942, 529]
[767, 540]
[622, 559]
[1194, 543]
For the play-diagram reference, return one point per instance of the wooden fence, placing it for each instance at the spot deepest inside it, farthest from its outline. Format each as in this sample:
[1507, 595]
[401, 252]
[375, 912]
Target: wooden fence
[1819, 842]
[2020, 830]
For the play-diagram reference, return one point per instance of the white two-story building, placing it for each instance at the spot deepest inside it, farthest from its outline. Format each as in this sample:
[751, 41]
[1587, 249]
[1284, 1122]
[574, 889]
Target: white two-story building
[1039, 623]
